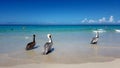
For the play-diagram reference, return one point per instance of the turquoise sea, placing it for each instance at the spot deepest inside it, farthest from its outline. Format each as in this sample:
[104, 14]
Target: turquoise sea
[71, 44]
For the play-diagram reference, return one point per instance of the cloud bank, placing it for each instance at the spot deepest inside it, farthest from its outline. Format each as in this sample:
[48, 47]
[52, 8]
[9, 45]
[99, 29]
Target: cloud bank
[101, 20]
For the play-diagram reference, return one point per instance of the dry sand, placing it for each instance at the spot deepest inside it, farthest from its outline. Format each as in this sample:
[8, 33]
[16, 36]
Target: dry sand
[112, 64]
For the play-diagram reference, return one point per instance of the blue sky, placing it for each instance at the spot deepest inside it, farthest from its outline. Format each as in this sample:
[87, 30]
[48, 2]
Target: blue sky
[58, 11]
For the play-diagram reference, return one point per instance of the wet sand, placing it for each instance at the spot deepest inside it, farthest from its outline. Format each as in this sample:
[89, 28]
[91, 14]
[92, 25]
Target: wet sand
[112, 64]
[94, 54]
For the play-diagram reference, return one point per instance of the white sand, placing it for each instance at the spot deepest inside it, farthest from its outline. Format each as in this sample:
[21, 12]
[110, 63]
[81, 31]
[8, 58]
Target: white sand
[113, 64]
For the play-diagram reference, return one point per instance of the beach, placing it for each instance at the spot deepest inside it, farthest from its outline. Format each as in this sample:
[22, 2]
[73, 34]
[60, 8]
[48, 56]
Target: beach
[71, 46]
[112, 64]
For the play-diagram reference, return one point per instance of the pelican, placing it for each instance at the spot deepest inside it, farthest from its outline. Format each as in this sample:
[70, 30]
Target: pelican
[95, 39]
[31, 44]
[48, 45]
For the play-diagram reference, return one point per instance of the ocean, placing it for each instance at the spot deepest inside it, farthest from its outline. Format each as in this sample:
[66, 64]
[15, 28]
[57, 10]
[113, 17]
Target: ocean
[71, 44]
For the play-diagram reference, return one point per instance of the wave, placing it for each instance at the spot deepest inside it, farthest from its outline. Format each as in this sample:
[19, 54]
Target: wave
[117, 30]
[99, 30]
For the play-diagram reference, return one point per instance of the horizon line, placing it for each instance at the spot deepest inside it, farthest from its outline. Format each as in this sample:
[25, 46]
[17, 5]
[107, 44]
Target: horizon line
[67, 24]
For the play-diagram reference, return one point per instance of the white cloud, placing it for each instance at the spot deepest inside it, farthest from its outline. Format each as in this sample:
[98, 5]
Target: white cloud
[85, 20]
[111, 19]
[88, 21]
[102, 20]
[91, 21]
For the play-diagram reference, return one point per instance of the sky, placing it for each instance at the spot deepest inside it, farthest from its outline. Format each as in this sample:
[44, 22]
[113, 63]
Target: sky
[59, 11]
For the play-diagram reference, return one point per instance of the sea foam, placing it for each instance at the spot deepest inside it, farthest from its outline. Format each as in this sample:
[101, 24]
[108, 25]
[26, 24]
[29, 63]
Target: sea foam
[117, 30]
[99, 30]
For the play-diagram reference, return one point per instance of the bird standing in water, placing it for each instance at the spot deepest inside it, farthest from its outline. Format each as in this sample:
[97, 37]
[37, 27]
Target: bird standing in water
[48, 45]
[95, 39]
[31, 44]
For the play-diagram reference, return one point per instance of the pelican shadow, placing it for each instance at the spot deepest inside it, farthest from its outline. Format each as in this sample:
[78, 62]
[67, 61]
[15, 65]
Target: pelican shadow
[34, 47]
[52, 49]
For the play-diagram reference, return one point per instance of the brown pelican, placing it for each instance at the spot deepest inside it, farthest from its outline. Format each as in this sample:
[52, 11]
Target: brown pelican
[95, 39]
[31, 44]
[48, 45]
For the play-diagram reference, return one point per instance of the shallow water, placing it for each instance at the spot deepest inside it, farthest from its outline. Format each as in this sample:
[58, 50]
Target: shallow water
[71, 44]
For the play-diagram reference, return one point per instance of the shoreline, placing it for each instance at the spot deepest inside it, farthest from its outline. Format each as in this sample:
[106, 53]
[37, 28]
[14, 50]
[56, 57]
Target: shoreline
[112, 64]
